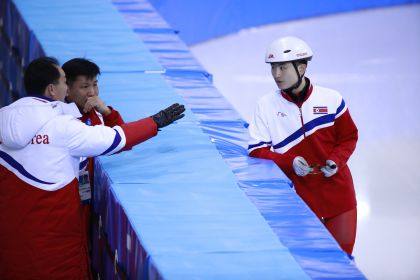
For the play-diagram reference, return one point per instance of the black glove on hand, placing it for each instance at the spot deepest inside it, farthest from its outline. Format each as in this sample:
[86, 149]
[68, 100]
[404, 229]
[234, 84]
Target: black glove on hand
[169, 115]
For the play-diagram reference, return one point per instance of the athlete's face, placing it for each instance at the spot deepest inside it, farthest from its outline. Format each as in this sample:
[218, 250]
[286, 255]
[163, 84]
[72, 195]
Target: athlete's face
[81, 89]
[284, 74]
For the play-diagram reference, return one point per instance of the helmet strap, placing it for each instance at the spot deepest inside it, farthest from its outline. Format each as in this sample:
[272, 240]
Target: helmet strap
[289, 91]
[297, 84]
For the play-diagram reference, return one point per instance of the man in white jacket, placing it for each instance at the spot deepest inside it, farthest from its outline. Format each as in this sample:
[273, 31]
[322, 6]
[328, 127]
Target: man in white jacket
[41, 142]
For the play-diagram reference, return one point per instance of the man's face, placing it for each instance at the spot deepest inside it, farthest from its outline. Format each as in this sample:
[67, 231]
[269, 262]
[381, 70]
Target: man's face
[82, 88]
[284, 74]
[60, 88]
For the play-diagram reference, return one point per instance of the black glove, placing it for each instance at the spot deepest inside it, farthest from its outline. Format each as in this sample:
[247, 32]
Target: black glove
[169, 115]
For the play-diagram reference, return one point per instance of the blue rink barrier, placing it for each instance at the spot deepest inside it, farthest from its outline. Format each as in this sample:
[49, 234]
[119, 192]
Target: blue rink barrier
[190, 219]
[18, 46]
[265, 185]
[171, 208]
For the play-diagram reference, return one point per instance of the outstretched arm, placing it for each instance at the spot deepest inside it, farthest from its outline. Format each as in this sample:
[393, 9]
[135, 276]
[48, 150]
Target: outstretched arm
[88, 141]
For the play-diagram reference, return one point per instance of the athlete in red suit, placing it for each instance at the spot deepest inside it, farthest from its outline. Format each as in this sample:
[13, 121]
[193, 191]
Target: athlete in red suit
[308, 132]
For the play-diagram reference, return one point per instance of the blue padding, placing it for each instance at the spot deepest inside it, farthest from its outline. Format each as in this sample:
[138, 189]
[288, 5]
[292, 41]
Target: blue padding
[263, 182]
[140, 89]
[226, 265]
[138, 95]
[140, 14]
[298, 228]
[203, 230]
[118, 51]
[180, 153]
[35, 49]
[166, 202]
[224, 126]
[15, 50]
[230, 138]
[76, 15]
[160, 38]
[14, 27]
[3, 8]
[171, 52]
[9, 15]
[204, 100]
[92, 29]
[215, 217]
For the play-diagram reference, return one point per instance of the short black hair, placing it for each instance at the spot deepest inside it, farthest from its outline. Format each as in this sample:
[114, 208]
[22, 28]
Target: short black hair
[302, 61]
[40, 73]
[80, 67]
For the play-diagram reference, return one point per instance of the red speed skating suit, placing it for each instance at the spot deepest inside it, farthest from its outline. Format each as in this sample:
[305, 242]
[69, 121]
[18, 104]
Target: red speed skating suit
[319, 128]
[93, 118]
[42, 233]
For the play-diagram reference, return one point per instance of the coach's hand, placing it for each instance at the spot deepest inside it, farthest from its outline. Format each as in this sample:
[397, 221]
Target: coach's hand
[169, 115]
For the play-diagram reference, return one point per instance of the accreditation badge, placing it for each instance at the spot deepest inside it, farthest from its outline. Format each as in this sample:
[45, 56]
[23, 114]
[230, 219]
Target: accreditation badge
[84, 187]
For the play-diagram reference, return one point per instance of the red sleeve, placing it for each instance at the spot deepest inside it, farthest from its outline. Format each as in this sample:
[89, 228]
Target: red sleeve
[114, 118]
[138, 131]
[284, 162]
[346, 139]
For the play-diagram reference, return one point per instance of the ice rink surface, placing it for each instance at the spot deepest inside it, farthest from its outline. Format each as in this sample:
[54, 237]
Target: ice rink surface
[372, 57]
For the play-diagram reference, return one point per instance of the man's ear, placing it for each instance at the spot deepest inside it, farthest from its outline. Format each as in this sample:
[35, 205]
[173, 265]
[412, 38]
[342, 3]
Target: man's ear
[50, 91]
[302, 69]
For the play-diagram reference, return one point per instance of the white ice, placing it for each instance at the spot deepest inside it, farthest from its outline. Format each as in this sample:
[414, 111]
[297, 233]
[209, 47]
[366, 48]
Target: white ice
[373, 58]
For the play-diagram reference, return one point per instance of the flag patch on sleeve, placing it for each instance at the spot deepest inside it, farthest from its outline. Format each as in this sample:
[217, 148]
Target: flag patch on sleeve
[320, 110]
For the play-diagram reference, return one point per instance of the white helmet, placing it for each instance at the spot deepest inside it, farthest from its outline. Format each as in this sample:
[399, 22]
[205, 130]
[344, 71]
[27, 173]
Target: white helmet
[288, 49]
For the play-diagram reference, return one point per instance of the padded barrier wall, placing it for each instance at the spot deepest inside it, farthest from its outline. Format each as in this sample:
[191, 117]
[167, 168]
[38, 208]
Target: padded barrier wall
[171, 208]
[295, 225]
[18, 46]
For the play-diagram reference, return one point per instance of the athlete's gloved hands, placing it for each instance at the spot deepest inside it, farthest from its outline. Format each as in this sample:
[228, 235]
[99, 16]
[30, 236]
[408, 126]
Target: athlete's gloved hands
[169, 115]
[301, 167]
[329, 169]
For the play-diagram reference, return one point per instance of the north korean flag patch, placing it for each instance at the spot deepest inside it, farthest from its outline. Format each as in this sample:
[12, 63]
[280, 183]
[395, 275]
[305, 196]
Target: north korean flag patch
[320, 110]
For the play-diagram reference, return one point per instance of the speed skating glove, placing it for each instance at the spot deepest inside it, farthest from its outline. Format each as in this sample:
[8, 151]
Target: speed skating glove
[301, 167]
[169, 115]
[330, 168]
